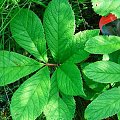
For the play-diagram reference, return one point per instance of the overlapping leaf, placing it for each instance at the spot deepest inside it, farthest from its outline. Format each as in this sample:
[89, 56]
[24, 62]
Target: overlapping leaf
[28, 32]
[69, 79]
[103, 44]
[104, 7]
[103, 71]
[98, 87]
[59, 26]
[78, 53]
[105, 105]
[31, 97]
[14, 66]
[59, 108]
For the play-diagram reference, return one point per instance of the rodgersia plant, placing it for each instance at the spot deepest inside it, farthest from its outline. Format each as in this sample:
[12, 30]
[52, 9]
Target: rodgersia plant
[42, 93]
[49, 92]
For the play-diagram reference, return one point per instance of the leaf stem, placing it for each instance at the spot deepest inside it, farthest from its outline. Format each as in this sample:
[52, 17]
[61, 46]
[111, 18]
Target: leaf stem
[50, 64]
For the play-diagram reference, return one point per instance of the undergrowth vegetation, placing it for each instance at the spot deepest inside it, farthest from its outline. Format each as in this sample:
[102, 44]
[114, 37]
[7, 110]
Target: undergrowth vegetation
[54, 62]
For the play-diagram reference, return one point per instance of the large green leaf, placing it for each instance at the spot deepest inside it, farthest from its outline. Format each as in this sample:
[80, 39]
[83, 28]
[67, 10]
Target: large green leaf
[104, 7]
[59, 27]
[14, 66]
[28, 32]
[103, 44]
[105, 105]
[59, 108]
[78, 53]
[69, 79]
[31, 97]
[103, 71]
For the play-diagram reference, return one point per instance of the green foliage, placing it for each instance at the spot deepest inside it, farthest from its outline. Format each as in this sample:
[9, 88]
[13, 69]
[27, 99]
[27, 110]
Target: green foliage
[51, 85]
[59, 107]
[14, 1]
[59, 35]
[1, 3]
[35, 96]
[31, 97]
[104, 7]
[103, 44]
[40, 2]
[105, 105]
[78, 53]
[103, 71]
[106, 71]
[28, 32]
[82, 1]
[98, 87]
[69, 73]
[14, 66]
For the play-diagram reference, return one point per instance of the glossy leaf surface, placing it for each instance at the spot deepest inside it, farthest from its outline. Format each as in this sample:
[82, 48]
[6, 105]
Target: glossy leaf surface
[59, 107]
[103, 71]
[59, 24]
[31, 97]
[69, 79]
[103, 44]
[105, 105]
[28, 32]
[14, 66]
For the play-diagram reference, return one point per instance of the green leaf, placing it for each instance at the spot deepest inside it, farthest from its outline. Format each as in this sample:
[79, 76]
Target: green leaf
[103, 44]
[70, 102]
[90, 94]
[98, 87]
[105, 105]
[92, 89]
[30, 98]
[78, 56]
[114, 57]
[59, 108]
[78, 53]
[116, 11]
[104, 7]
[82, 37]
[59, 24]
[69, 80]
[119, 59]
[118, 116]
[14, 66]
[28, 32]
[103, 71]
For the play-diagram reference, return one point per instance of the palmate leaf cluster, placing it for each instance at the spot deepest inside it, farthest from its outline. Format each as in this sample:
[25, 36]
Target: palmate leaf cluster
[53, 93]
[42, 93]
